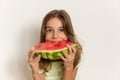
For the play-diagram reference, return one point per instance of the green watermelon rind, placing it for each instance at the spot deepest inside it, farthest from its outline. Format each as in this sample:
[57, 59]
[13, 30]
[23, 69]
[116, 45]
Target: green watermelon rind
[53, 54]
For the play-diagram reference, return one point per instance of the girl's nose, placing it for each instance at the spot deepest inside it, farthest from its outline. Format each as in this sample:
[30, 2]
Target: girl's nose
[55, 35]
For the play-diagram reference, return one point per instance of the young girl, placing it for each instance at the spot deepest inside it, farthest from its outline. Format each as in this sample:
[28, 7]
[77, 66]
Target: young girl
[56, 27]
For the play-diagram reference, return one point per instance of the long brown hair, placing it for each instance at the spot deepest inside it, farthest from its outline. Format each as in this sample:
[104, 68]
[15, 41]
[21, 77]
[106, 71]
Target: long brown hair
[69, 32]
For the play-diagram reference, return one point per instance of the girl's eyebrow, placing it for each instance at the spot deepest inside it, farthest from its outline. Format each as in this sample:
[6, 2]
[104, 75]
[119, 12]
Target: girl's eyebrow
[48, 27]
[52, 27]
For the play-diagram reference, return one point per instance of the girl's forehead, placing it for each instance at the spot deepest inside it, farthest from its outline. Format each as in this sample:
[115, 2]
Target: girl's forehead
[54, 22]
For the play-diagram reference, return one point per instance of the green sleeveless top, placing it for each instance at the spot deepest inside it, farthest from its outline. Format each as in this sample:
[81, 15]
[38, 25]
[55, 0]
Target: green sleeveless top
[55, 71]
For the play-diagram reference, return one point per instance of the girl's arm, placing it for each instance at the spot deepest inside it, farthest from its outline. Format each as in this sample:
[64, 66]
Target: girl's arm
[34, 65]
[37, 76]
[70, 74]
[75, 72]
[69, 71]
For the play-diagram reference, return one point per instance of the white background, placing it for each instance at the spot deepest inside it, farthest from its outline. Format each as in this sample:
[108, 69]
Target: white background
[96, 23]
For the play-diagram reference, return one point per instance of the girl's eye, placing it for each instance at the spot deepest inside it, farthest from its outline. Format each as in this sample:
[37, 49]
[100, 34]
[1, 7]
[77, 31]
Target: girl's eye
[61, 30]
[48, 30]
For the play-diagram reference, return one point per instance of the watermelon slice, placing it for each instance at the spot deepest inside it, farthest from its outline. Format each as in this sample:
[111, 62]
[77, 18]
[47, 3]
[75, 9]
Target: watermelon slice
[52, 50]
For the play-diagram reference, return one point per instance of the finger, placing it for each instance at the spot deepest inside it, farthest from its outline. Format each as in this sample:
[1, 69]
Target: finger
[31, 56]
[37, 59]
[70, 50]
[69, 58]
[63, 58]
[73, 49]
[30, 51]
[65, 54]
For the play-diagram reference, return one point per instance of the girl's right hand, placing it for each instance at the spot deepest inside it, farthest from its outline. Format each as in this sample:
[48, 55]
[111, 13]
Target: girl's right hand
[33, 61]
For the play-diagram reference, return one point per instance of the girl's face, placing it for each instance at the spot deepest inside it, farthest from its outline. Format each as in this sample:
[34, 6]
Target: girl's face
[54, 30]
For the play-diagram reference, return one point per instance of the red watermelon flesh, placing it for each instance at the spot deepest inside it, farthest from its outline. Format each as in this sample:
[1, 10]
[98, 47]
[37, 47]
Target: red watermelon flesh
[52, 45]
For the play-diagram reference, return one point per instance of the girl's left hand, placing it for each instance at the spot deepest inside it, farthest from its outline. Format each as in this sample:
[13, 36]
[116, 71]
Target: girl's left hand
[69, 59]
